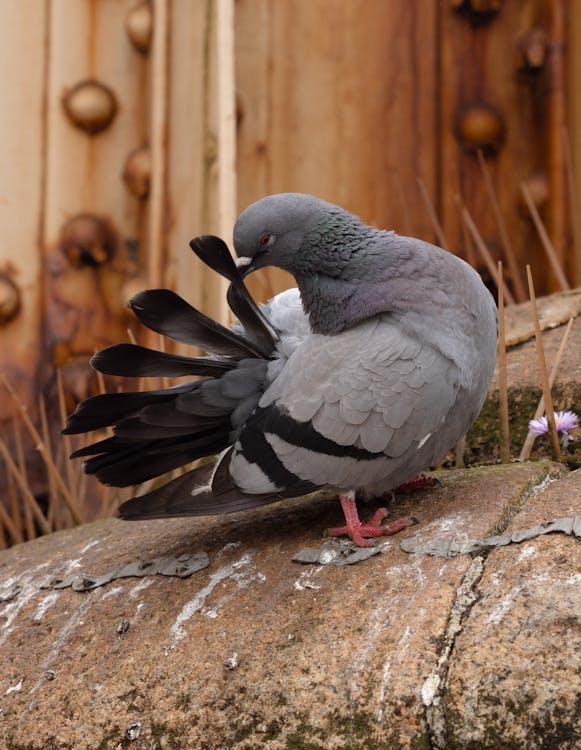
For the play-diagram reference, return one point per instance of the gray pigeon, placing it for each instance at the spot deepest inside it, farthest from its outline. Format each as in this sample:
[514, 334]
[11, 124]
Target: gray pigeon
[365, 375]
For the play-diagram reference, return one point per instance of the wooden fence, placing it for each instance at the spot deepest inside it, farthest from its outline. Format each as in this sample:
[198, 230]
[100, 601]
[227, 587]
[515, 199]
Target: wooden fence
[130, 126]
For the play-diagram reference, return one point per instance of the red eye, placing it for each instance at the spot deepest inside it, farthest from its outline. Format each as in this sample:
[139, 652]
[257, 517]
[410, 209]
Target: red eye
[265, 239]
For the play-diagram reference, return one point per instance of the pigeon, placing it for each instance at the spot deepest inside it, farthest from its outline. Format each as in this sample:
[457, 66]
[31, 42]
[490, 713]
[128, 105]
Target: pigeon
[358, 379]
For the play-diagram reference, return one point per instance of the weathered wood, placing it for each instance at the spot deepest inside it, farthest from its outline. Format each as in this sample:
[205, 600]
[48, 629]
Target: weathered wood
[200, 152]
[83, 176]
[333, 99]
[22, 137]
[480, 66]
[574, 121]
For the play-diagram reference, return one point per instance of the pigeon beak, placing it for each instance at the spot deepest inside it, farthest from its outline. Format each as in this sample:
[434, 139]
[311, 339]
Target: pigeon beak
[246, 264]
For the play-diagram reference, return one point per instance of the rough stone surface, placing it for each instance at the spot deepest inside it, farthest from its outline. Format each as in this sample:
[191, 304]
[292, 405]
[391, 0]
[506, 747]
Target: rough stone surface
[256, 651]
[515, 677]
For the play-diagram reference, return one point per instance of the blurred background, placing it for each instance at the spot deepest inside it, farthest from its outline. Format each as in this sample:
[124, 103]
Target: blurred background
[129, 126]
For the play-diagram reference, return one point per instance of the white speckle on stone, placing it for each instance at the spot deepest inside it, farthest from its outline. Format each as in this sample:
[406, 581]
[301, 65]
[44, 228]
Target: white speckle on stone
[385, 679]
[133, 730]
[47, 602]
[305, 580]
[232, 662]
[230, 546]
[15, 688]
[138, 588]
[241, 563]
[72, 624]
[71, 565]
[527, 551]
[430, 688]
[327, 556]
[28, 590]
[499, 611]
[90, 544]
[112, 592]
[243, 579]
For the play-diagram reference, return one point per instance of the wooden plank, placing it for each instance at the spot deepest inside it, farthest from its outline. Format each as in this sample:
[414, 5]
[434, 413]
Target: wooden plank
[336, 99]
[481, 64]
[574, 121]
[22, 127]
[89, 41]
[200, 151]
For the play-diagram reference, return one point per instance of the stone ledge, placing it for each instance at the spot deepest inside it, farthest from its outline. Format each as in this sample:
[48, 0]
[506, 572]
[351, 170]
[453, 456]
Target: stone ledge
[318, 656]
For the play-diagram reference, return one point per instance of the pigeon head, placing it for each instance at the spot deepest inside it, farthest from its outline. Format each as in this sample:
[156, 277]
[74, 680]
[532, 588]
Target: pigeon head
[297, 232]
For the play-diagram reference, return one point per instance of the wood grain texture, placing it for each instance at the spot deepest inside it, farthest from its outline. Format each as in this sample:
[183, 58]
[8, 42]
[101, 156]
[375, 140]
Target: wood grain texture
[83, 173]
[197, 199]
[574, 123]
[479, 65]
[22, 127]
[337, 100]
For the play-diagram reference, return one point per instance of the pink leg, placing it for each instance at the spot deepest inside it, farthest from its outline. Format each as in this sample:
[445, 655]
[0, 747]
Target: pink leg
[357, 531]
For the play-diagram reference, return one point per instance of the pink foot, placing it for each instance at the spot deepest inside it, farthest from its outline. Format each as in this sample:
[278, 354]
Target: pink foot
[420, 482]
[359, 532]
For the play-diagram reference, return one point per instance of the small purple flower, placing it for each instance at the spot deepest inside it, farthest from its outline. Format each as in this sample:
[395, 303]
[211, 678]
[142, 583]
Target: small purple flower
[565, 421]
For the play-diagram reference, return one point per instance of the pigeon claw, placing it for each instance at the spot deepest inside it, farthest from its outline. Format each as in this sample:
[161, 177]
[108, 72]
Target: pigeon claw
[419, 483]
[360, 532]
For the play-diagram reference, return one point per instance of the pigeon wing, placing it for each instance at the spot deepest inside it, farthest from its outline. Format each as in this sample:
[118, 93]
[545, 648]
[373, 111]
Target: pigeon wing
[347, 408]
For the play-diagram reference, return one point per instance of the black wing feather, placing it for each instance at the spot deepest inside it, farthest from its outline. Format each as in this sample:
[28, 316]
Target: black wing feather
[167, 313]
[131, 360]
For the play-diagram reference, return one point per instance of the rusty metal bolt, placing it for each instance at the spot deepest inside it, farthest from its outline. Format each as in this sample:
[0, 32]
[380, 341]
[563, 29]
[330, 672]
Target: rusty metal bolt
[480, 126]
[533, 51]
[478, 11]
[90, 106]
[87, 240]
[538, 187]
[137, 172]
[9, 299]
[139, 25]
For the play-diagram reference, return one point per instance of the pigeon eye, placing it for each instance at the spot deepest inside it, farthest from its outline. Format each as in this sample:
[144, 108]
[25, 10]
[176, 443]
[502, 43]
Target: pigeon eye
[266, 239]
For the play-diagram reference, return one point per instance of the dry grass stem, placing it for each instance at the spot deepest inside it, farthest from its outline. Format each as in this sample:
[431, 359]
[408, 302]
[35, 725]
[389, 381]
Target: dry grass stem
[21, 463]
[12, 528]
[14, 504]
[483, 250]
[459, 451]
[24, 489]
[530, 438]
[502, 377]
[52, 493]
[3, 538]
[431, 211]
[517, 281]
[545, 240]
[67, 442]
[543, 370]
[41, 448]
[105, 502]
